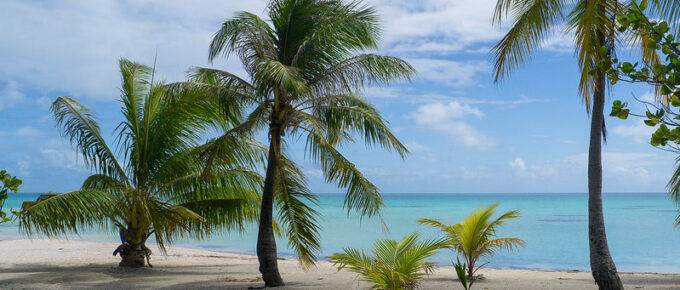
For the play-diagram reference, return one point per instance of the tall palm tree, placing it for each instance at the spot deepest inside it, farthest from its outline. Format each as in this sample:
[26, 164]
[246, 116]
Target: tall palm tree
[306, 66]
[593, 25]
[161, 189]
[475, 236]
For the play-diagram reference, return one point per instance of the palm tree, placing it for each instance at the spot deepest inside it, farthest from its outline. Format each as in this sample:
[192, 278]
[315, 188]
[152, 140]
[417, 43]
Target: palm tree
[593, 25]
[393, 265]
[306, 67]
[161, 190]
[476, 236]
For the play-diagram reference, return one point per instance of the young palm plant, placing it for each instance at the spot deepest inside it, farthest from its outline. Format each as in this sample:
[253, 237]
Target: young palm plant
[593, 25]
[475, 236]
[161, 189]
[393, 265]
[306, 66]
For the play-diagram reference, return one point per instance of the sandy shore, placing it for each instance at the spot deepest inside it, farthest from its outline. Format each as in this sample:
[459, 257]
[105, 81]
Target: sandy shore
[43, 264]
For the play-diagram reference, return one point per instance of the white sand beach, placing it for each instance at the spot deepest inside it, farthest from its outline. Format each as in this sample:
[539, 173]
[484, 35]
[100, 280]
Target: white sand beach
[45, 264]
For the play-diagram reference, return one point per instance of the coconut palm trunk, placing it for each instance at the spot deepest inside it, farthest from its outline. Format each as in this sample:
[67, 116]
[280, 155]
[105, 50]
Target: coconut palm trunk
[133, 252]
[601, 263]
[133, 255]
[266, 243]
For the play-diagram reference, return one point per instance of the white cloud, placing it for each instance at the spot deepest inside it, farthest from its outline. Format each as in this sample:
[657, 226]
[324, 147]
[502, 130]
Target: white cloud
[417, 147]
[521, 100]
[73, 46]
[559, 41]
[617, 166]
[386, 92]
[445, 118]
[638, 131]
[314, 172]
[453, 73]
[59, 154]
[436, 25]
[44, 102]
[518, 164]
[28, 131]
[10, 95]
[437, 112]
[24, 168]
[648, 97]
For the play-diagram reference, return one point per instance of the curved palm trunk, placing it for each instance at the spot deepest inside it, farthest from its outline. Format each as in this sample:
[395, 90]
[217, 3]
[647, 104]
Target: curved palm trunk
[266, 243]
[601, 263]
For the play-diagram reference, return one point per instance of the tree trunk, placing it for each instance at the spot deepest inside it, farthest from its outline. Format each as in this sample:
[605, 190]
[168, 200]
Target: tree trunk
[266, 243]
[133, 255]
[601, 263]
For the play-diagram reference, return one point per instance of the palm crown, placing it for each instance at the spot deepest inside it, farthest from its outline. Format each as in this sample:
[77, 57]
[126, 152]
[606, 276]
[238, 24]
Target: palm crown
[161, 189]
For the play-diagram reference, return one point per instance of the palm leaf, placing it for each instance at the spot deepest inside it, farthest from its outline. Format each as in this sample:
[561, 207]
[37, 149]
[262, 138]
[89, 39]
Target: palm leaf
[532, 22]
[71, 212]
[296, 214]
[79, 126]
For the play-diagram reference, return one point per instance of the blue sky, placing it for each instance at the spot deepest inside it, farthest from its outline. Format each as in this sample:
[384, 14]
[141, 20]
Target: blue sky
[466, 134]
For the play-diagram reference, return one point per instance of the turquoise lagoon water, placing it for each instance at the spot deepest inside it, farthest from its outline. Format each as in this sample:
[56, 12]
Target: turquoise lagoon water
[640, 228]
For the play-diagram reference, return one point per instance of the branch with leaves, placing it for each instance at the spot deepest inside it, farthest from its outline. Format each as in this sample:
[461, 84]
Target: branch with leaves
[665, 76]
[663, 114]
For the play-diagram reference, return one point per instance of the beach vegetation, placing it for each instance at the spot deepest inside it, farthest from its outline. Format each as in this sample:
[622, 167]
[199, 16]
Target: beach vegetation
[391, 264]
[306, 67]
[476, 236]
[156, 186]
[9, 184]
[461, 272]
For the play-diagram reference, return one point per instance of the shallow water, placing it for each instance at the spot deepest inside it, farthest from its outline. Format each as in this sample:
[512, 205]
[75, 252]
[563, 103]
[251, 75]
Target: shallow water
[640, 228]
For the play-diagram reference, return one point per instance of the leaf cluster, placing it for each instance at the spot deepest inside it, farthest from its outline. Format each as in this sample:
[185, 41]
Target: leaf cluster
[9, 184]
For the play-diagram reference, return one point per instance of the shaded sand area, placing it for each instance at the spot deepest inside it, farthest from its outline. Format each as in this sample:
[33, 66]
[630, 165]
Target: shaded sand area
[43, 264]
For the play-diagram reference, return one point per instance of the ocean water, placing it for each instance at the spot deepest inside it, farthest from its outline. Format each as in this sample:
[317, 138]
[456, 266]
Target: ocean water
[640, 228]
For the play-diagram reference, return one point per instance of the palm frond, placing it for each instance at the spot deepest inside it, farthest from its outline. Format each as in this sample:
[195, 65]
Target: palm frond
[71, 212]
[353, 73]
[349, 114]
[248, 36]
[533, 21]
[79, 126]
[594, 26]
[673, 185]
[362, 194]
[296, 213]
[348, 27]
[223, 214]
